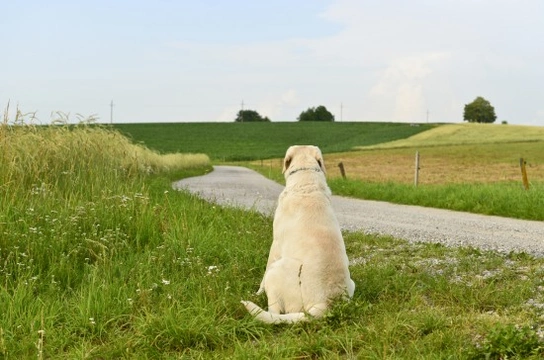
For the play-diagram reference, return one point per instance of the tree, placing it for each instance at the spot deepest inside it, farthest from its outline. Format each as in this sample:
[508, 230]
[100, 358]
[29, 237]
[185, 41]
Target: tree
[319, 113]
[249, 116]
[480, 111]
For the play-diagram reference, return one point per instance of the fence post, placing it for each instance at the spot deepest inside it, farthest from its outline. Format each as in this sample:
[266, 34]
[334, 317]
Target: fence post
[342, 170]
[522, 164]
[416, 175]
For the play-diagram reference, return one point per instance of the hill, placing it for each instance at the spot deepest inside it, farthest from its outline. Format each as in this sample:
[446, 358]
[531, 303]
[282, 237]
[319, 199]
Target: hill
[467, 134]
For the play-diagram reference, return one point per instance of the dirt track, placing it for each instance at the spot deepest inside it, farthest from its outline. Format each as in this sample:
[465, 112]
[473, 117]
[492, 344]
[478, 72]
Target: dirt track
[241, 187]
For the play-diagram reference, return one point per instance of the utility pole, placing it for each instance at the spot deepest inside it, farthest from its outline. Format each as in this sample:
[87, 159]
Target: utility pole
[111, 112]
[242, 112]
[341, 112]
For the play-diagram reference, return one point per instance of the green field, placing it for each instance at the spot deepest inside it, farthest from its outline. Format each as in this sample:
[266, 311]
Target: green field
[251, 141]
[101, 259]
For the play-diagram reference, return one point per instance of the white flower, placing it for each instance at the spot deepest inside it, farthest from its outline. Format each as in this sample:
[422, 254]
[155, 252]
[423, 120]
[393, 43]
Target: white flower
[165, 282]
[212, 269]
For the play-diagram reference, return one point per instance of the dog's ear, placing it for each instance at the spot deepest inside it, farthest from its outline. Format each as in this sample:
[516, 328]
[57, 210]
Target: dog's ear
[286, 163]
[321, 165]
[319, 159]
[288, 158]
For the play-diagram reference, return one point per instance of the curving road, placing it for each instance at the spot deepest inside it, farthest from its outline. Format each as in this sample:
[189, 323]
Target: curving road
[242, 187]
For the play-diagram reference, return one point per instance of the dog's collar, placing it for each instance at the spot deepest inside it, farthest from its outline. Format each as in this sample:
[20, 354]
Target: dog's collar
[303, 169]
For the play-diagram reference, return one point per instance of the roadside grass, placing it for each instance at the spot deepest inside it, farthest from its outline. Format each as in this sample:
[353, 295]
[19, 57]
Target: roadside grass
[252, 141]
[500, 199]
[107, 261]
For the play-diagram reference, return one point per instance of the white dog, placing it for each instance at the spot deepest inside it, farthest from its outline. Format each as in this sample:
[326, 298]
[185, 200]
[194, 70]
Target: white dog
[307, 265]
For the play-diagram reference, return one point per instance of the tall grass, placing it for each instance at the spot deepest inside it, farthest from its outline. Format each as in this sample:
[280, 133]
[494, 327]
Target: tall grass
[72, 199]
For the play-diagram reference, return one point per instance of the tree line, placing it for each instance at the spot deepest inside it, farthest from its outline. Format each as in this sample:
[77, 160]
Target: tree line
[479, 111]
[319, 113]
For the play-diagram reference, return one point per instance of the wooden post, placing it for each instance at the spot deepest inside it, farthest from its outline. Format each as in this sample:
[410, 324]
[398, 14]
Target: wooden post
[416, 175]
[342, 170]
[522, 164]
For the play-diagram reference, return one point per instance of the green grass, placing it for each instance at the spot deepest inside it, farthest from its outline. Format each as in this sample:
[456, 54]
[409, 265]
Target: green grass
[101, 261]
[501, 199]
[251, 141]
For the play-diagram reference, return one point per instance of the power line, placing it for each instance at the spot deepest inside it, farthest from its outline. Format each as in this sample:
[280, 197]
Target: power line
[111, 112]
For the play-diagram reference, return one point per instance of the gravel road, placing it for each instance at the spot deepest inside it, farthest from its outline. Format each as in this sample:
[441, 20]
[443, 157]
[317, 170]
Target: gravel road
[242, 187]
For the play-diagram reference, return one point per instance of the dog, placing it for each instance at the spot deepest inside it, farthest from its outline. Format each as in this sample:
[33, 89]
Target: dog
[307, 266]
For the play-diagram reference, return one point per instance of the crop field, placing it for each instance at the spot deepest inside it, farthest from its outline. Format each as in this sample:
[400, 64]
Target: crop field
[101, 259]
[250, 141]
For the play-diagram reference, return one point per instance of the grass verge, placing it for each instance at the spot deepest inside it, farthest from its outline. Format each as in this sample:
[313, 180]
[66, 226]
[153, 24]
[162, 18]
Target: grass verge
[500, 199]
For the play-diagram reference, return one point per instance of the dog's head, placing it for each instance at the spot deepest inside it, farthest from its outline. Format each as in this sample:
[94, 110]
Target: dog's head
[303, 157]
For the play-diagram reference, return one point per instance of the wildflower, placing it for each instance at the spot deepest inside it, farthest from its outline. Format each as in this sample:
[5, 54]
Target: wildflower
[212, 269]
[91, 320]
[165, 282]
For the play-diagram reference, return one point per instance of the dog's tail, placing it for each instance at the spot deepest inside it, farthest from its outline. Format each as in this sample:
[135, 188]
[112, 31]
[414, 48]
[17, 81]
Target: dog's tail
[272, 318]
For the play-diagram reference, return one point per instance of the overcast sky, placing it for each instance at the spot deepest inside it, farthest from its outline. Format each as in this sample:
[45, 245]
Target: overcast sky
[184, 61]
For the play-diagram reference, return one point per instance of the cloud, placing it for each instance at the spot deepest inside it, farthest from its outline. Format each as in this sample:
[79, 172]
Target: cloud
[228, 114]
[279, 107]
[399, 92]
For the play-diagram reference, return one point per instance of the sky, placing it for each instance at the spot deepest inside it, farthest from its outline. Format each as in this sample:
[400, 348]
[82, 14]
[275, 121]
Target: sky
[202, 61]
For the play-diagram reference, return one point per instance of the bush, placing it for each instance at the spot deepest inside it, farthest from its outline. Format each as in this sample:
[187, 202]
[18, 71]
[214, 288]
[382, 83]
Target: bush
[316, 114]
[250, 116]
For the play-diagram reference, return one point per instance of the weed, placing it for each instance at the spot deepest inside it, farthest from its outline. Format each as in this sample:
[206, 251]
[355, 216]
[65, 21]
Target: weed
[511, 342]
